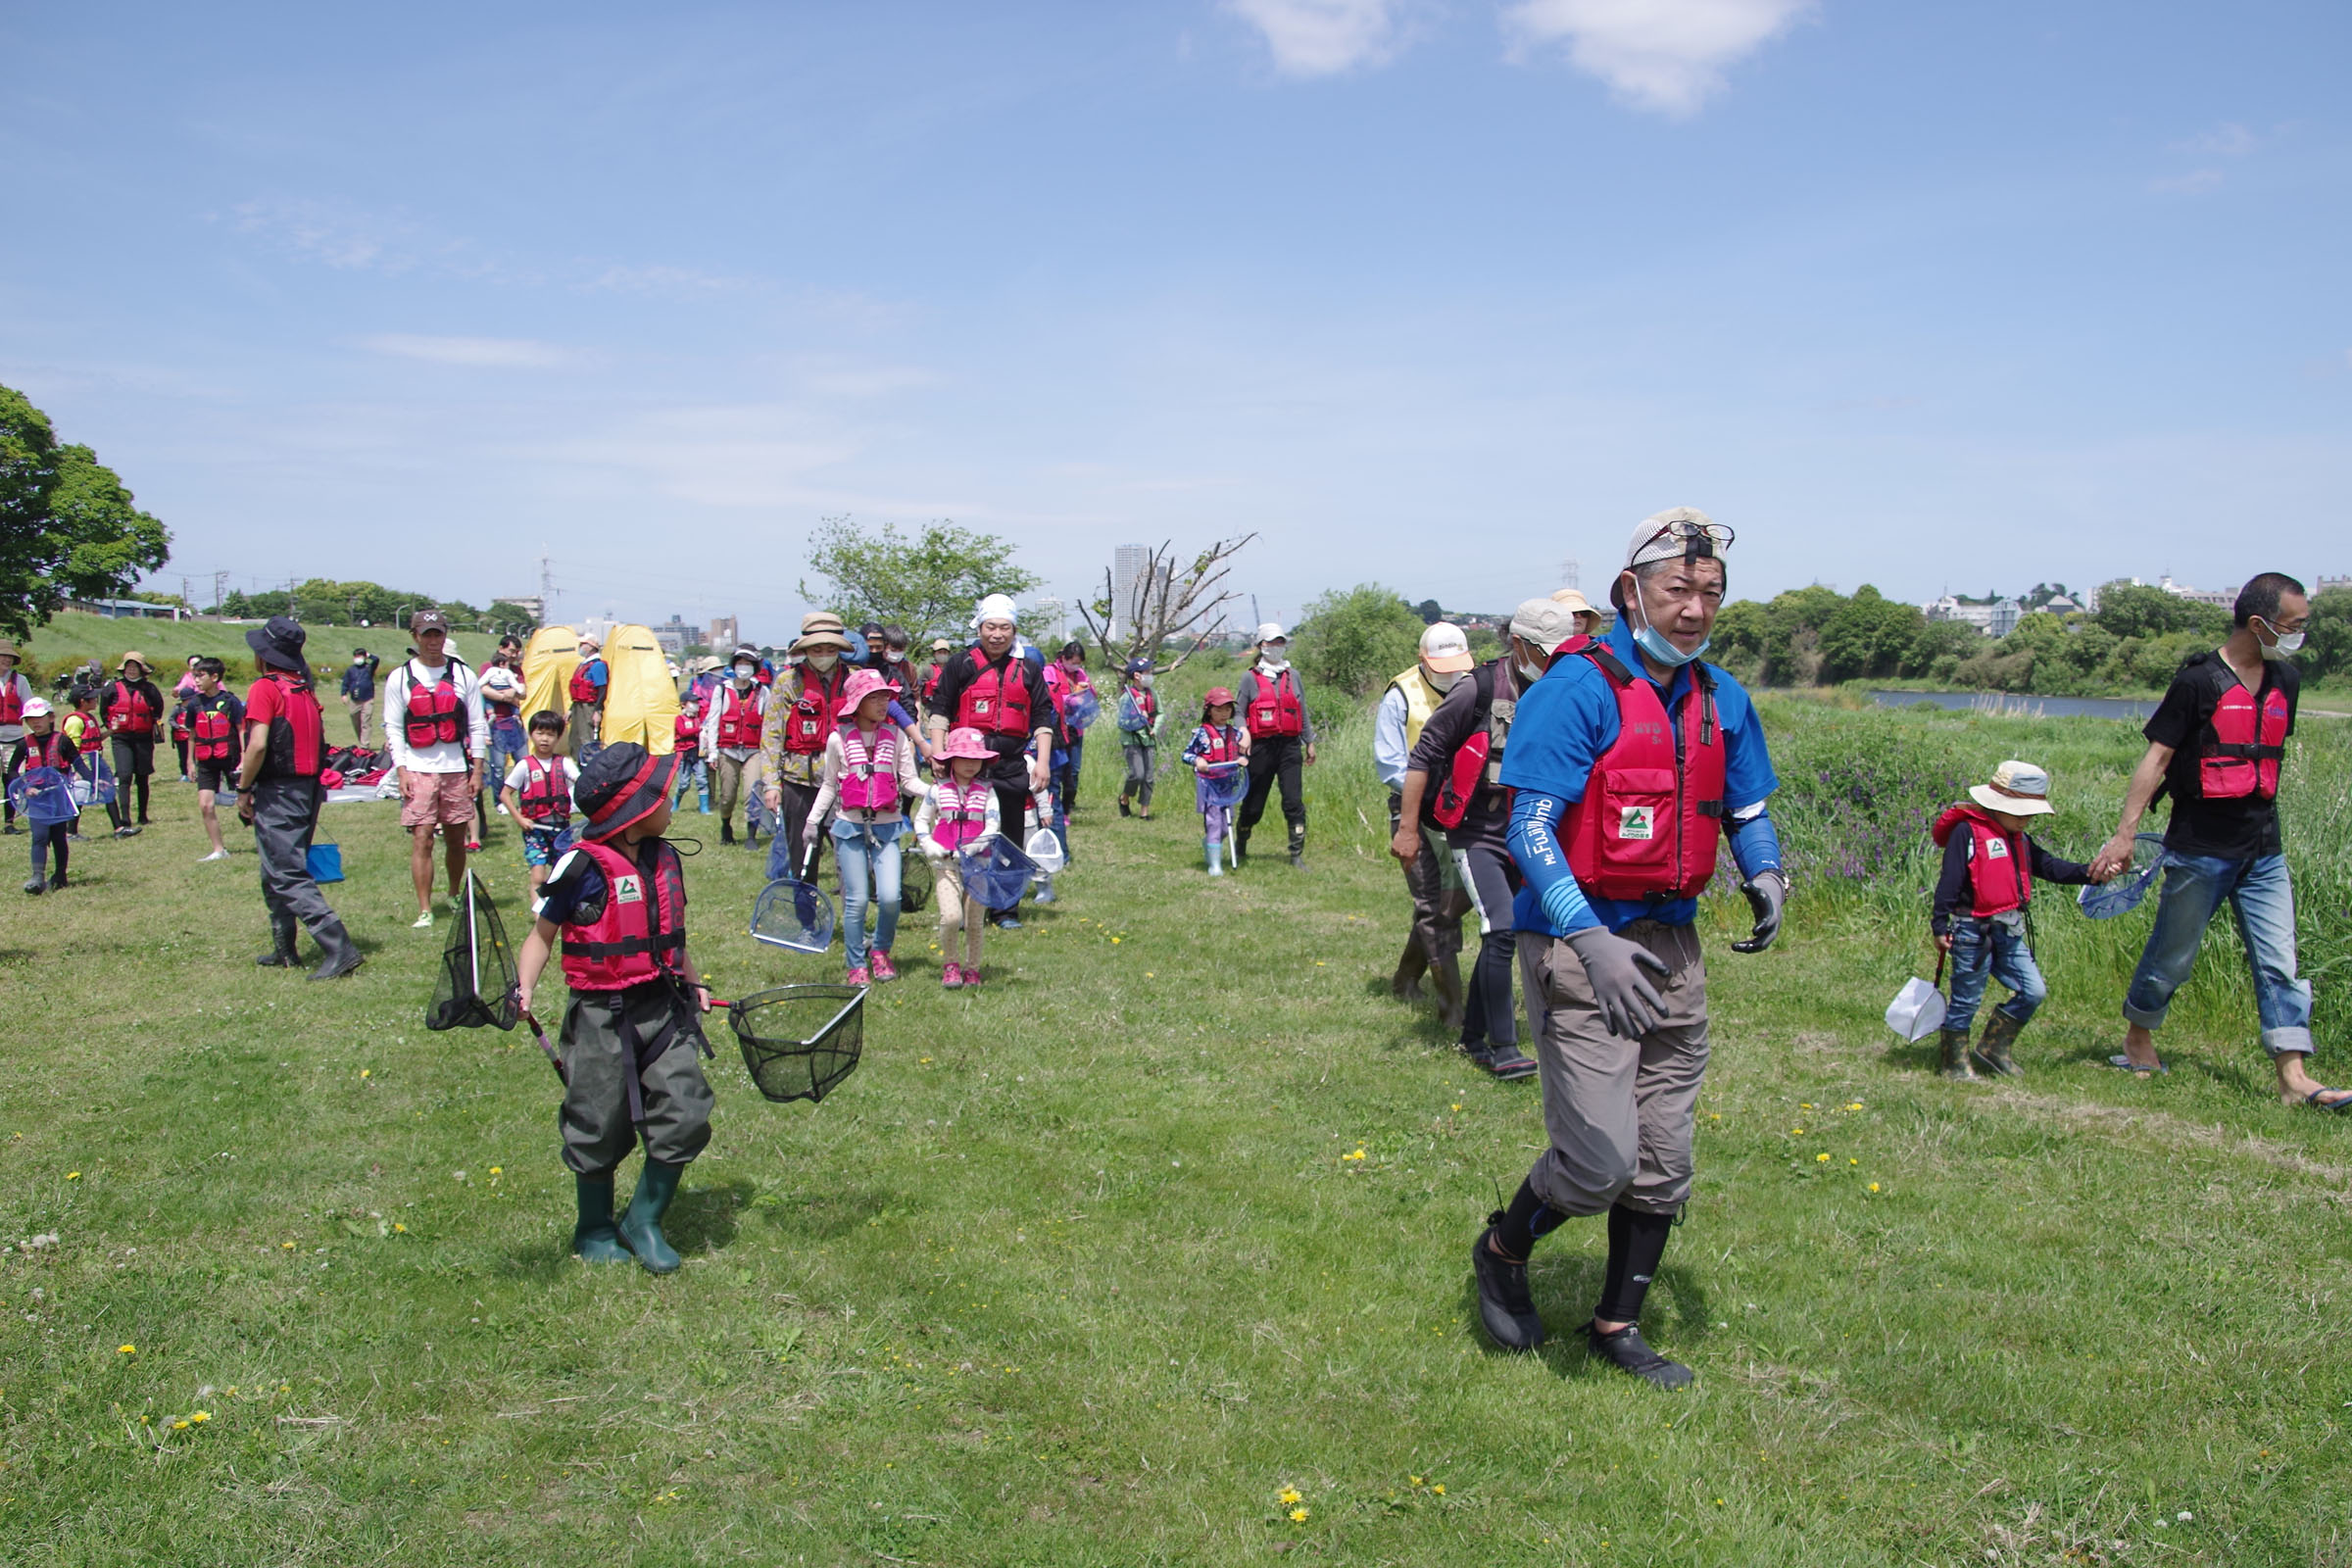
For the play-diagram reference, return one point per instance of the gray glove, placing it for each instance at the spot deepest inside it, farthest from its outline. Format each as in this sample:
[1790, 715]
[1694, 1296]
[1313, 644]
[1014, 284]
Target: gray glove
[1629, 1004]
[1766, 893]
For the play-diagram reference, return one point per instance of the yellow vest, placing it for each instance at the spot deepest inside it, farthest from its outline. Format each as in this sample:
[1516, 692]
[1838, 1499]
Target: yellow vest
[1421, 700]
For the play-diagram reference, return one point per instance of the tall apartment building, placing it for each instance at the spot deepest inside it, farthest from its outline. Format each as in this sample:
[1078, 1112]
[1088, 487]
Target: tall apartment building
[723, 635]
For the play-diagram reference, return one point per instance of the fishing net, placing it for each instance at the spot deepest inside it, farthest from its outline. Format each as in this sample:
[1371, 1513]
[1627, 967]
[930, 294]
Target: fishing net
[997, 873]
[1045, 848]
[799, 1042]
[915, 879]
[476, 983]
[1082, 709]
[44, 795]
[2130, 886]
[93, 782]
[793, 914]
[1223, 784]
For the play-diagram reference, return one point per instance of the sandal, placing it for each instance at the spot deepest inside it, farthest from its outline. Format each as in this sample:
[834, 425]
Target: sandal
[2340, 1108]
[2126, 1064]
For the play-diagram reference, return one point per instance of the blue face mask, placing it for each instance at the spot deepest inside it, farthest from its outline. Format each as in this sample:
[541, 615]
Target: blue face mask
[1654, 645]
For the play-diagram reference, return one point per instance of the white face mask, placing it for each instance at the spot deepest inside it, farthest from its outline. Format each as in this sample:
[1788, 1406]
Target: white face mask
[1529, 672]
[744, 675]
[2288, 642]
[1445, 682]
[823, 662]
[1275, 655]
[1145, 681]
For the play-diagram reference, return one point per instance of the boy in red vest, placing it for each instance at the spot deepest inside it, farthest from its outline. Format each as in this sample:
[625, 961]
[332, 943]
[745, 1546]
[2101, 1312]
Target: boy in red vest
[1989, 864]
[538, 795]
[216, 724]
[617, 903]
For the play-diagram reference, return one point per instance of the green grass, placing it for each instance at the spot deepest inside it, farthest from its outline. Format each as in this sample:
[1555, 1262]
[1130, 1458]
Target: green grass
[75, 635]
[1084, 1271]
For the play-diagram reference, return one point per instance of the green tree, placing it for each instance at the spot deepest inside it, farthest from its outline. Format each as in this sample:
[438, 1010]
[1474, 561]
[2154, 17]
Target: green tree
[1939, 646]
[2328, 649]
[505, 616]
[927, 584]
[2132, 609]
[1357, 638]
[1867, 635]
[1792, 624]
[67, 527]
[1431, 611]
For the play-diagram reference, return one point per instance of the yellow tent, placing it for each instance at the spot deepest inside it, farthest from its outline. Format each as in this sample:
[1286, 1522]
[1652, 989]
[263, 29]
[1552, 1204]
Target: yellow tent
[548, 660]
[641, 704]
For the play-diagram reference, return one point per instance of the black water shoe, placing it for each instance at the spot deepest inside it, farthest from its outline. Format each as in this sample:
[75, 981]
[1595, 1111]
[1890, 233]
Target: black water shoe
[1628, 1351]
[1504, 1305]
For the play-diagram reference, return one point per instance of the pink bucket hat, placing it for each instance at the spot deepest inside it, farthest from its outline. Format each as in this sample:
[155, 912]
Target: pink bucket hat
[964, 743]
[863, 684]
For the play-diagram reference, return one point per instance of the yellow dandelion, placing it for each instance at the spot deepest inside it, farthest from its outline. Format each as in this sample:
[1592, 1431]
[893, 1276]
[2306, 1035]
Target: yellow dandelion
[1804, 1104]
[399, 1229]
[179, 1426]
[1290, 1496]
[73, 1175]
[1873, 1187]
[1823, 1158]
[1439, 1489]
[1796, 1132]
[367, 1072]
[127, 1349]
[1853, 1162]
[1458, 1104]
[1297, 1516]
[286, 1245]
[498, 1170]
[1416, 1480]
[201, 1417]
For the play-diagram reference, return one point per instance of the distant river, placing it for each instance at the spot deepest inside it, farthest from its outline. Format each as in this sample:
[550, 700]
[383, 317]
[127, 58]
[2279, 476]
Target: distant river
[2012, 707]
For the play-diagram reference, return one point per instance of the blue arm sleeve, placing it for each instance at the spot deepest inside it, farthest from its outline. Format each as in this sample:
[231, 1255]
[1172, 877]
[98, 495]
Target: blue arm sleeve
[1535, 846]
[1756, 845]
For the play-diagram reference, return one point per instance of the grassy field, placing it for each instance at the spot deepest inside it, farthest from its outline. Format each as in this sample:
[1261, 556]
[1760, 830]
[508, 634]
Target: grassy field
[75, 635]
[1170, 1223]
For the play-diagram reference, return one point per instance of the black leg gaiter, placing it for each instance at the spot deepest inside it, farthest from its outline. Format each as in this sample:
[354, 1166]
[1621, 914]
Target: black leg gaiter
[1637, 1242]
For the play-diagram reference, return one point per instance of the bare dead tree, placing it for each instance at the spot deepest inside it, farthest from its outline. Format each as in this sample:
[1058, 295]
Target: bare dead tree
[1165, 607]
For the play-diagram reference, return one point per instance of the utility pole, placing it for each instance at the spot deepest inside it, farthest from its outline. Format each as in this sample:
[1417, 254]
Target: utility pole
[220, 590]
[546, 588]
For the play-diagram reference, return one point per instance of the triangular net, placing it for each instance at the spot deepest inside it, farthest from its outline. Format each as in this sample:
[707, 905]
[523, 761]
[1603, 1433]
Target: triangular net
[93, 782]
[915, 879]
[793, 914]
[799, 1041]
[43, 795]
[1223, 783]
[2124, 894]
[475, 985]
[997, 873]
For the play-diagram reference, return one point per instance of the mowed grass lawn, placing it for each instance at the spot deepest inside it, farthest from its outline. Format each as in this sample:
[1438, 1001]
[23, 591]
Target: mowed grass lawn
[1098, 1266]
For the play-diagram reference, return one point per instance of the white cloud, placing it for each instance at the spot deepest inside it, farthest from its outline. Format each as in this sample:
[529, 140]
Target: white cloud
[1324, 37]
[2195, 182]
[2226, 140]
[481, 353]
[1666, 55]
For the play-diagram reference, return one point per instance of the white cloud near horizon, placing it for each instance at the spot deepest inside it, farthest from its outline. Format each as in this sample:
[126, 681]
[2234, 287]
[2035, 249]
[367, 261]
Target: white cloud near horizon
[478, 353]
[1324, 37]
[1663, 55]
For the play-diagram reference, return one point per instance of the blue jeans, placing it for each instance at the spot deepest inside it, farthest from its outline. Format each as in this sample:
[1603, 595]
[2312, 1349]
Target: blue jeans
[867, 857]
[1991, 950]
[507, 748]
[2259, 894]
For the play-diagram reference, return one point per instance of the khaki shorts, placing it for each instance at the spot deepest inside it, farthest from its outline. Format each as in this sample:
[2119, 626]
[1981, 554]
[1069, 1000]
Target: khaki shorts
[444, 798]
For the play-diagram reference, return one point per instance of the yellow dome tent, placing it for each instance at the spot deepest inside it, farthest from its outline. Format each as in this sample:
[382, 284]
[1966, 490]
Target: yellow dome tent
[548, 660]
[641, 704]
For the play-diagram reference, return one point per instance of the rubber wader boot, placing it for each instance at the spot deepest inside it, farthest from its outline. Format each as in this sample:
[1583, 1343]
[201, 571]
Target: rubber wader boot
[1992, 1052]
[1955, 1053]
[726, 830]
[594, 1238]
[1446, 979]
[641, 1226]
[282, 931]
[1299, 849]
[1214, 849]
[1405, 984]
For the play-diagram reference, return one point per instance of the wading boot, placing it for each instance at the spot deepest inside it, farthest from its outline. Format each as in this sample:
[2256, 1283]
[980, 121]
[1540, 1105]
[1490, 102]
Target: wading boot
[1446, 979]
[1991, 1055]
[1504, 1307]
[641, 1226]
[593, 1239]
[1214, 849]
[1405, 984]
[726, 830]
[281, 957]
[1627, 1351]
[1955, 1055]
[1297, 849]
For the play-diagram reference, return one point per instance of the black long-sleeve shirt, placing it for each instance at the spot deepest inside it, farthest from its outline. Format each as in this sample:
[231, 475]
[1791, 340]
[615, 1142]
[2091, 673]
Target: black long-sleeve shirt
[1952, 894]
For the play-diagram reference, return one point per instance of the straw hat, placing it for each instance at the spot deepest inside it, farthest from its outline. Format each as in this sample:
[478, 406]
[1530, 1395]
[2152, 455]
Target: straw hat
[135, 656]
[8, 650]
[2019, 788]
[821, 628]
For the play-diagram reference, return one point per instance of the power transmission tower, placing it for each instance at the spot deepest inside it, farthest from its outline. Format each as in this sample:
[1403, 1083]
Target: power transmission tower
[1571, 574]
[546, 588]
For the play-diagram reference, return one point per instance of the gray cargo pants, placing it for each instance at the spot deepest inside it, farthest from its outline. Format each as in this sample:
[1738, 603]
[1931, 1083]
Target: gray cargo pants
[597, 1059]
[285, 813]
[1618, 1113]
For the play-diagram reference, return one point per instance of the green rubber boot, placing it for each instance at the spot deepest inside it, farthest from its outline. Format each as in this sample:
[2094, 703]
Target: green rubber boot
[641, 1226]
[1955, 1055]
[1991, 1055]
[594, 1238]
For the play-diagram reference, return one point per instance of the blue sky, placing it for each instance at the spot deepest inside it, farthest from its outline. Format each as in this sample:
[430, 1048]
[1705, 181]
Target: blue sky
[1434, 294]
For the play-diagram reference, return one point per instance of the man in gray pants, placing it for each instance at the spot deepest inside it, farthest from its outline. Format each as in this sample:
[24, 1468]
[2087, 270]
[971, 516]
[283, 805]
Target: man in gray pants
[1632, 761]
[285, 751]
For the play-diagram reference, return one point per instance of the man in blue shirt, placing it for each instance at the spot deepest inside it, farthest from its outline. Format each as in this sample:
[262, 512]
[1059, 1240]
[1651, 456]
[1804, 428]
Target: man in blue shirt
[1629, 758]
[359, 692]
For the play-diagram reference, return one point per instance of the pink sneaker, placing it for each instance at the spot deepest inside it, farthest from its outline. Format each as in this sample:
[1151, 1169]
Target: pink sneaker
[859, 977]
[971, 977]
[884, 969]
[951, 978]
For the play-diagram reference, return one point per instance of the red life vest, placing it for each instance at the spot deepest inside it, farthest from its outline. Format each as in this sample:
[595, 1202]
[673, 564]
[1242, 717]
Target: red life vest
[962, 814]
[812, 717]
[47, 751]
[1272, 707]
[436, 714]
[179, 723]
[931, 681]
[1652, 809]
[297, 733]
[2001, 870]
[12, 698]
[93, 729]
[640, 933]
[130, 712]
[584, 689]
[1476, 770]
[997, 702]
[1224, 746]
[738, 717]
[2247, 741]
[1147, 706]
[546, 795]
[211, 737]
[869, 774]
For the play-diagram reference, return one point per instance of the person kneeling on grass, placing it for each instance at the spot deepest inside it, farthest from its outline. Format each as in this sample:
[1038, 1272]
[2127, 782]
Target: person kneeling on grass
[1989, 865]
[215, 718]
[40, 745]
[538, 794]
[957, 816]
[870, 765]
[618, 905]
[1221, 746]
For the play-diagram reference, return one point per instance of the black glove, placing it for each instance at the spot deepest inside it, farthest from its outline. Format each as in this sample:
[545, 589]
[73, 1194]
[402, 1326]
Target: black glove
[1629, 1004]
[1767, 892]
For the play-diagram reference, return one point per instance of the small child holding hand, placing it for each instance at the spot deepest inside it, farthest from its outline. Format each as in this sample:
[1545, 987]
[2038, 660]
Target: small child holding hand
[955, 816]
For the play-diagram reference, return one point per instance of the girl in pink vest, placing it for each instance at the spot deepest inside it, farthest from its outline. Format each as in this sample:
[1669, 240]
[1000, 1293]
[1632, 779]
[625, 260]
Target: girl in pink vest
[958, 813]
[869, 765]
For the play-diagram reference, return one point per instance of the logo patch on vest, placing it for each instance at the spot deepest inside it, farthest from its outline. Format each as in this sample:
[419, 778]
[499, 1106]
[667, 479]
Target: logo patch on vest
[629, 890]
[1637, 821]
[1997, 848]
